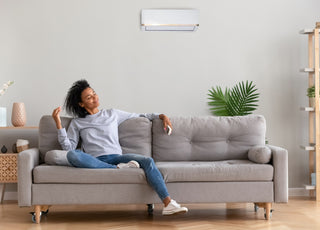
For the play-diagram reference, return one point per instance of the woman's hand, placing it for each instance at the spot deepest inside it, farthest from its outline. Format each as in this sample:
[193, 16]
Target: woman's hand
[166, 121]
[56, 117]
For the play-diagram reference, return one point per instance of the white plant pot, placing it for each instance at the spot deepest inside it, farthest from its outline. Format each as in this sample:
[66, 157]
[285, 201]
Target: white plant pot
[312, 102]
[3, 116]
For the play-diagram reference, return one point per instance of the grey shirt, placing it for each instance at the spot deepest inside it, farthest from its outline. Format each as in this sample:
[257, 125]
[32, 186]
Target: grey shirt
[98, 132]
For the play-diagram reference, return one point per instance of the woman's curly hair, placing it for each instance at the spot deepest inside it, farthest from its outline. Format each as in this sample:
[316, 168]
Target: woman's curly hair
[73, 99]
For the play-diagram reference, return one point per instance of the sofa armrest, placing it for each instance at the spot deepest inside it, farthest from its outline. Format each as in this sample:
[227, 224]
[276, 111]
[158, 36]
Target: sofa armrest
[280, 164]
[27, 160]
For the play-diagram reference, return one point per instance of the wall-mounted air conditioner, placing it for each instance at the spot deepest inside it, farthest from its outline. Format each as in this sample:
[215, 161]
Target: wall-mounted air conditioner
[169, 19]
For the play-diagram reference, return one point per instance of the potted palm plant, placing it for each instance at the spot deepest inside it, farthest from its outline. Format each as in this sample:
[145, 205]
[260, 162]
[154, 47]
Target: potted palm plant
[239, 101]
[311, 94]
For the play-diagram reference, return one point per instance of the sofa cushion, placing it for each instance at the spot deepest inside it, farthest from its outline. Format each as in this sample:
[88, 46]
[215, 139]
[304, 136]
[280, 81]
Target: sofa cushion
[230, 170]
[134, 135]
[48, 135]
[208, 138]
[57, 157]
[260, 154]
[69, 175]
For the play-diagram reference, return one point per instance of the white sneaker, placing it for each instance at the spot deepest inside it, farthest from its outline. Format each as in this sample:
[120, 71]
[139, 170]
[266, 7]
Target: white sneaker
[130, 164]
[173, 208]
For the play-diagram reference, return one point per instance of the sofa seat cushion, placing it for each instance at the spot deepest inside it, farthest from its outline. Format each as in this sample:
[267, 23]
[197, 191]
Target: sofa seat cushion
[230, 170]
[53, 174]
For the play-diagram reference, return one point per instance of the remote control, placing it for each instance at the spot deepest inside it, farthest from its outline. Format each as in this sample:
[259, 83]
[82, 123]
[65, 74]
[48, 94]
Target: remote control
[169, 130]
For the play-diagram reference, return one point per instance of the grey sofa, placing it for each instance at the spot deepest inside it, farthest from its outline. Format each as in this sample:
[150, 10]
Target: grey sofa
[204, 160]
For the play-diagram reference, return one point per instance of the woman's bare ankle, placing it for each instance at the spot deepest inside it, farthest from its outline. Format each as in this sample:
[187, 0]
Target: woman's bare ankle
[166, 201]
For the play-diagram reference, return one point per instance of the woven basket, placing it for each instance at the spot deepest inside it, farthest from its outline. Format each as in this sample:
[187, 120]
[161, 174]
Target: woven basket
[22, 148]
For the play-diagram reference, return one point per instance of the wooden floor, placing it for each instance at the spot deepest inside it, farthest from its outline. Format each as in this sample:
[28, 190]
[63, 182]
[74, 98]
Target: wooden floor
[299, 213]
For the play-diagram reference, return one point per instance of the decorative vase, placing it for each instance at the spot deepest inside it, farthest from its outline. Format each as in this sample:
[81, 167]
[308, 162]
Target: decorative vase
[4, 149]
[18, 117]
[3, 116]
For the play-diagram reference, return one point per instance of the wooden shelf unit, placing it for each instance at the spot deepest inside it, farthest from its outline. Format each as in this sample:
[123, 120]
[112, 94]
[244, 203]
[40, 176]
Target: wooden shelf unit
[309, 187]
[307, 70]
[22, 127]
[314, 114]
[9, 163]
[307, 109]
[309, 147]
[8, 170]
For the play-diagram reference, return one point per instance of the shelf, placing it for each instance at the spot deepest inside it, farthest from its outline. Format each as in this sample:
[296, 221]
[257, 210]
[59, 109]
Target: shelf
[307, 31]
[8, 154]
[307, 70]
[313, 146]
[309, 147]
[307, 109]
[23, 127]
[309, 187]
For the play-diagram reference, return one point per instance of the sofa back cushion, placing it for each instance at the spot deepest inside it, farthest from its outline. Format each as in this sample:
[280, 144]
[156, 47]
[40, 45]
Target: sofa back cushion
[48, 135]
[134, 135]
[208, 138]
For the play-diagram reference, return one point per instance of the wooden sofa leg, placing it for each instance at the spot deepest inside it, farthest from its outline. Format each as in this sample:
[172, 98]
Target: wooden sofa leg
[267, 208]
[268, 211]
[37, 210]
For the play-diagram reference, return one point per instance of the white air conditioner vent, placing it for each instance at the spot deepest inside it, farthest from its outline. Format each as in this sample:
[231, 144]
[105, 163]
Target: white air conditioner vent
[169, 19]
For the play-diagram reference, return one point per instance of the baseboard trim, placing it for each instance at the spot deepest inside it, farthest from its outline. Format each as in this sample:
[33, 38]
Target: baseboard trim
[10, 196]
[300, 192]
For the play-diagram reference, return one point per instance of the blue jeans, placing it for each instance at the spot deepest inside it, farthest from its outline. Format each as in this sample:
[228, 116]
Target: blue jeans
[80, 159]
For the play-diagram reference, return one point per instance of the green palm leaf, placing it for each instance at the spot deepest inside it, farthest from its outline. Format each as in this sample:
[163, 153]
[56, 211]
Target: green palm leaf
[218, 101]
[239, 101]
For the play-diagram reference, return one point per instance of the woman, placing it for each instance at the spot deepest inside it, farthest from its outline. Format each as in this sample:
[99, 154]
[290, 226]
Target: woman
[98, 130]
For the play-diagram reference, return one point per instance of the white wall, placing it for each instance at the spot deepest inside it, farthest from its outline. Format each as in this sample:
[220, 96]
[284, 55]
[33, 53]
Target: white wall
[46, 45]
